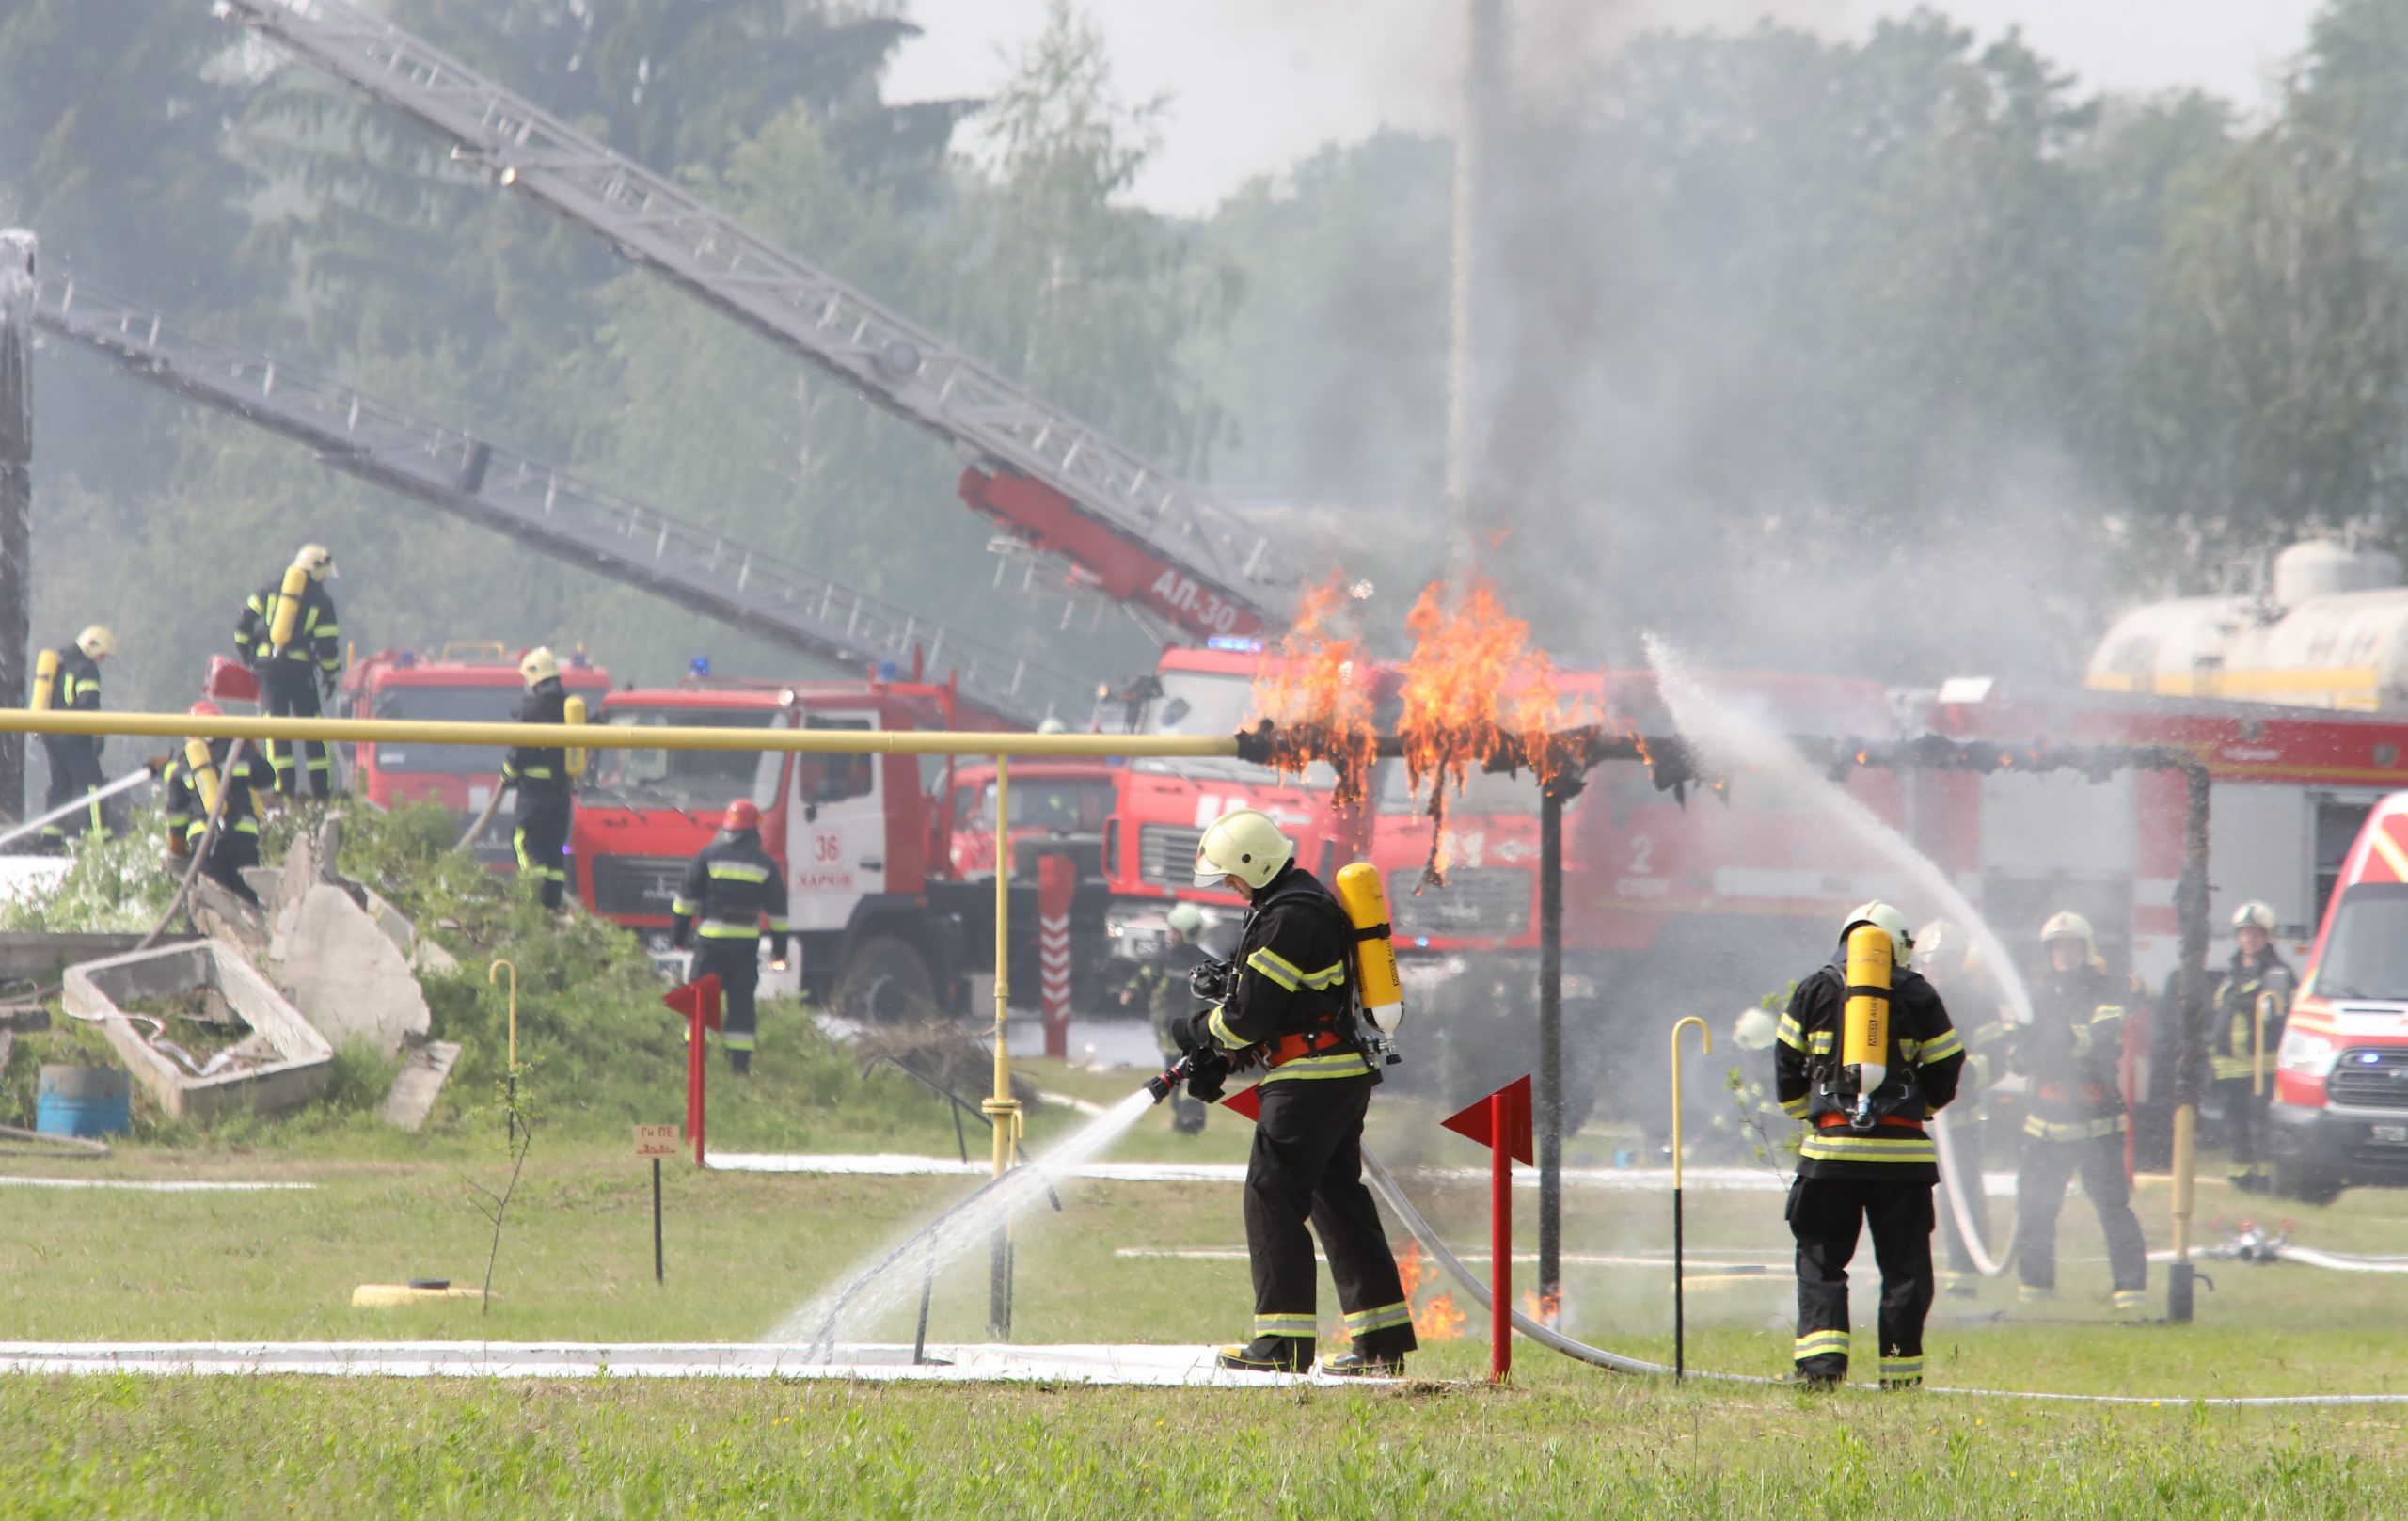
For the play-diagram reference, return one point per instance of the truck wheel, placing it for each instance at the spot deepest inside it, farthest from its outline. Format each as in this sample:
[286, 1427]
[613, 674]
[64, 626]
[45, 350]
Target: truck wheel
[2307, 1185]
[885, 978]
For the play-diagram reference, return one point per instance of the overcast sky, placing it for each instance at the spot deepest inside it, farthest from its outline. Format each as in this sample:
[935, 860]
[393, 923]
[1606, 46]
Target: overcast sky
[1256, 85]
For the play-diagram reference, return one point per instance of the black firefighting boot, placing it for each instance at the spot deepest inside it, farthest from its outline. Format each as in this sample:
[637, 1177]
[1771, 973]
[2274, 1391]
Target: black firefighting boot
[1361, 1365]
[1269, 1354]
[740, 1063]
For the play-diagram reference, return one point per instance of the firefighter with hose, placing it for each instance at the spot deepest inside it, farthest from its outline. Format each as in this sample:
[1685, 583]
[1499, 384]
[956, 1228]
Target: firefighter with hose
[729, 889]
[1946, 956]
[192, 783]
[1284, 1001]
[70, 677]
[542, 777]
[1866, 1054]
[1162, 984]
[2244, 1029]
[2072, 1050]
[286, 632]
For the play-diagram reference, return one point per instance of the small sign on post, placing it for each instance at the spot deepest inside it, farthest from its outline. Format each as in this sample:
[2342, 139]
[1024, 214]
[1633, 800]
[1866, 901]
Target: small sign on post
[656, 1141]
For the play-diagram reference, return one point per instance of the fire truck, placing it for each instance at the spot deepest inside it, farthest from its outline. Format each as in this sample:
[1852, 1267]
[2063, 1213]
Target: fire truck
[893, 909]
[472, 683]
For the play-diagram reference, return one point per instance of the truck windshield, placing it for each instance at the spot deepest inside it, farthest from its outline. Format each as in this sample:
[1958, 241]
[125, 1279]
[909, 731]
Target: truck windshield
[2366, 954]
[445, 704]
[695, 780]
[1056, 807]
[1215, 702]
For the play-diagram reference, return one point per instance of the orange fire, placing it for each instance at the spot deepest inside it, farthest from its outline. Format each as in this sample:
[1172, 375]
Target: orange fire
[1544, 1308]
[1313, 688]
[1413, 1270]
[1472, 688]
[1440, 1320]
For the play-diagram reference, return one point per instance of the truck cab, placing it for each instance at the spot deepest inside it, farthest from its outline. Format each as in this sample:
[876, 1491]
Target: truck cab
[2340, 1111]
[466, 682]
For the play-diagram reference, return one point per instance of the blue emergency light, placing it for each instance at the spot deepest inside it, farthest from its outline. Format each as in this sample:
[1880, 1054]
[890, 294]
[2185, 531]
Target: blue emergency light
[1234, 644]
[698, 668]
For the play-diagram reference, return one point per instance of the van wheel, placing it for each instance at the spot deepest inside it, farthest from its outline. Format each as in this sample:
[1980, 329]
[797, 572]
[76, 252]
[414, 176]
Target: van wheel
[2307, 1185]
[886, 978]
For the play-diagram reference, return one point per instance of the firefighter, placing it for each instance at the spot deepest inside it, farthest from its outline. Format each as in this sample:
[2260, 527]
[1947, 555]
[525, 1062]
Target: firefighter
[286, 630]
[2257, 975]
[540, 776]
[731, 888]
[188, 793]
[1286, 1002]
[2073, 1051]
[1948, 961]
[1162, 984]
[1866, 1159]
[70, 677]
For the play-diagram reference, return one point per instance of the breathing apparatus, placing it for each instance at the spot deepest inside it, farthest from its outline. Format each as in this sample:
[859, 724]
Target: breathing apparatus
[46, 680]
[1877, 942]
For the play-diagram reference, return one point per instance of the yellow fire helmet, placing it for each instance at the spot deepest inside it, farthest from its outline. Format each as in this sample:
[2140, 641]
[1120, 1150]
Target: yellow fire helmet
[317, 560]
[2251, 912]
[97, 643]
[1243, 842]
[2067, 925]
[537, 666]
[1890, 922]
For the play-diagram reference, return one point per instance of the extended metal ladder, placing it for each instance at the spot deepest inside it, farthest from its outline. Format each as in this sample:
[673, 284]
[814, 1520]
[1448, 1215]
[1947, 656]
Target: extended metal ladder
[536, 504]
[1204, 570]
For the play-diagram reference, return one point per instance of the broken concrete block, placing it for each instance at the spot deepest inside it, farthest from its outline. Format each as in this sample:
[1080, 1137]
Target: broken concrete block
[279, 1062]
[424, 1070]
[347, 976]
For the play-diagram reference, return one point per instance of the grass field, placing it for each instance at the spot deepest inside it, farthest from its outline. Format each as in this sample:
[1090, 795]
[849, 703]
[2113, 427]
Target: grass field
[744, 1250]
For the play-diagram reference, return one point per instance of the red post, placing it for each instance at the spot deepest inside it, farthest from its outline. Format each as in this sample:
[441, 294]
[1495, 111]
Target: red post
[1500, 1239]
[1057, 882]
[1500, 1122]
[699, 1001]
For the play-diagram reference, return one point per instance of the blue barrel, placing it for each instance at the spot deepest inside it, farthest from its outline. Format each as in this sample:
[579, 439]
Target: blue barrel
[83, 1100]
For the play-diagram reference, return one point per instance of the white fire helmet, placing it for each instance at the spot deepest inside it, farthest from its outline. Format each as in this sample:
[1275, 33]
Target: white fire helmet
[97, 643]
[537, 666]
[1188, 920]
[1243, 842]
[2067, 925]
[2255, 912]
[1890, 922]
[1755, 1029]
[1944, 947]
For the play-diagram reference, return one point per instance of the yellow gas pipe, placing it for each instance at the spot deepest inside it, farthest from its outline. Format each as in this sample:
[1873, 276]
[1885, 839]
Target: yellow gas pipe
[1002, 1109]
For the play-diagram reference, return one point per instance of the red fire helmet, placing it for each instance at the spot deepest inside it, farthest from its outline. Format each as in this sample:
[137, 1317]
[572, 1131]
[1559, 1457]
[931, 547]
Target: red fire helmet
[742, 813]
[207, 709]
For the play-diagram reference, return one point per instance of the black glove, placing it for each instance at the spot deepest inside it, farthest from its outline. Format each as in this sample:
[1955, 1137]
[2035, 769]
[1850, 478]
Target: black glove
[1208, 1076]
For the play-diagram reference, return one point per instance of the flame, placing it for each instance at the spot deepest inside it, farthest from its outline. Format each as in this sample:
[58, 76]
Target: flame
[1474, 691]
[1440, 1320]
[1312, 688]
[1545, 1308]
[1413, 1270]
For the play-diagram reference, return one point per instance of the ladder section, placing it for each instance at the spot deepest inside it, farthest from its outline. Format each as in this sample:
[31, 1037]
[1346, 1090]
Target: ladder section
[1143, 534]
[547, 510]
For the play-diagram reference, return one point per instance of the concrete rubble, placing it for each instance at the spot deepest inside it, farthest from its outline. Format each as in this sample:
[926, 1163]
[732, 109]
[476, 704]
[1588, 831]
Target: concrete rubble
[280, 1062]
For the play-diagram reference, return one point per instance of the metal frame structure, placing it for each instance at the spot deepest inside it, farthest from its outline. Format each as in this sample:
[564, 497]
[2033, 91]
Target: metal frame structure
[542, 507]
[907, 369]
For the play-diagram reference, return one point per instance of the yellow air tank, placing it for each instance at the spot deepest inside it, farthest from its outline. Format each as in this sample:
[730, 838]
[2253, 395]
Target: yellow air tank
[204, 773]
[573, 711]
[1865, 1032]
[46, 680]
[288, 607]
[1367, 905]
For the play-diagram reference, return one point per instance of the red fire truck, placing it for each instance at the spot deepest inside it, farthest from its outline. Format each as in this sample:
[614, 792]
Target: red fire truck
[886, 923]
[466, 682]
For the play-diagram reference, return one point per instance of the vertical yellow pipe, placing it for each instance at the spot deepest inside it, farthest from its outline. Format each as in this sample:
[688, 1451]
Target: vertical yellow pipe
[1000, 1107]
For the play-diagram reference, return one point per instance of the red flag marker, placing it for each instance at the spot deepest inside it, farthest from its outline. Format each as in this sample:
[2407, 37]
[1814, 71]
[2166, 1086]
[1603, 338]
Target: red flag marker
[1500, 1122]
[699, 1001]
[1247, 1101]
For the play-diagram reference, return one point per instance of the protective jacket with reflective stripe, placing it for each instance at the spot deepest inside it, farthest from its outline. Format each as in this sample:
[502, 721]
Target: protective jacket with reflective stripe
[731, 886]
[78, 682]
[314, 631]
[1291, 981]
[1924, 1058]
[2232, 1027]
[2073, 1052]
[185, 814]
[540, 768]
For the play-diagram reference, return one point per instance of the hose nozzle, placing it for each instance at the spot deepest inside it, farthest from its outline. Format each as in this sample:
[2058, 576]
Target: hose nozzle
[1162, 1082]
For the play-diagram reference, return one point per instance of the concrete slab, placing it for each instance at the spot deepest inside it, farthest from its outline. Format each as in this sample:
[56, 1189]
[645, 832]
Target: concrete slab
[345, 974]
[424, 1070]
[289, 1063]
[1170, 1367]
